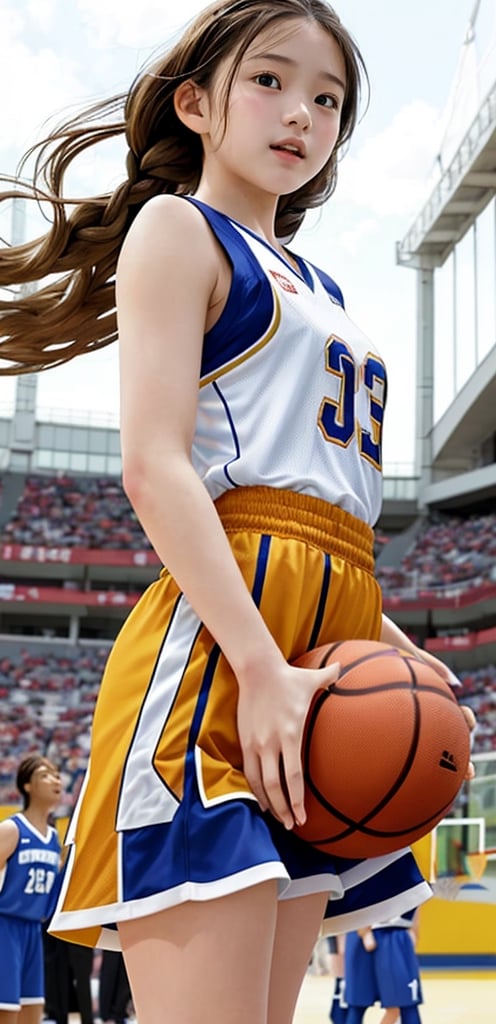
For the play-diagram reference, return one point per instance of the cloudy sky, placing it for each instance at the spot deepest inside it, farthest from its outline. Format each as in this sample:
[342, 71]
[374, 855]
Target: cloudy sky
[60, 54]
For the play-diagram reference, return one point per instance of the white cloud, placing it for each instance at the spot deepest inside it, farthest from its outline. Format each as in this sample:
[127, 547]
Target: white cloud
[41, 13]
[38, 78]
[351, 241]
[148, 23]
[389, 174]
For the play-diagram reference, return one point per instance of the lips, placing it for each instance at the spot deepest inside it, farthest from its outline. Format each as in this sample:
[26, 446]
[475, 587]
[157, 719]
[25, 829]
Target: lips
[294, 146]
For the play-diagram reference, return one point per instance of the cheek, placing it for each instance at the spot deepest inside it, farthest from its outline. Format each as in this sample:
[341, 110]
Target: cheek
[252, 106]
[328, 134]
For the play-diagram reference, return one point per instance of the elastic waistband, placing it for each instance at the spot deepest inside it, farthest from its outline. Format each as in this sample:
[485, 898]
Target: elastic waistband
[298, 516]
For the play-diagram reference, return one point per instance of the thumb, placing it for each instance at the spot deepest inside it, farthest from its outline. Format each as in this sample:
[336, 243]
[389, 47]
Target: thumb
[328, 675]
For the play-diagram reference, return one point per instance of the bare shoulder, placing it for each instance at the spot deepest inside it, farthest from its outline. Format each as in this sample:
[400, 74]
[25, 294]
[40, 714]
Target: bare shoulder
[9, 837]
[169, 226]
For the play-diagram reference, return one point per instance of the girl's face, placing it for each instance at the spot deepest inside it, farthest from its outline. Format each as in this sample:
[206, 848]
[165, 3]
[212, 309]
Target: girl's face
[45, 786]
[284, 110]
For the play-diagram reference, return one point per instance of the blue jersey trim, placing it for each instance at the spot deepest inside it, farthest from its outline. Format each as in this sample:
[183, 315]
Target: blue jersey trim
[249, 309]
[333, 290]
[233, 434]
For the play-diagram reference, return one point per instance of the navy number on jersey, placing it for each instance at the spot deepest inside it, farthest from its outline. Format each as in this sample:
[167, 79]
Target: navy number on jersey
[338, 419]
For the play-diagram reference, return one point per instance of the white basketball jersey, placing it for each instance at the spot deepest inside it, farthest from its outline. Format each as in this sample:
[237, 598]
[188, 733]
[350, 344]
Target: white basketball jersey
[292, 394]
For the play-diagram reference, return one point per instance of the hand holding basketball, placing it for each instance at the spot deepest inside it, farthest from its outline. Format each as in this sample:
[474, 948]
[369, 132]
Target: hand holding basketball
[272, 711]
[385, 751]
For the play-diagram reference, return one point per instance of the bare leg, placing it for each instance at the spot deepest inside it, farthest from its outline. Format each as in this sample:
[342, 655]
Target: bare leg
[9, 1016]
[204, 961]
[30, 1014]
[390, 1016]
[298, 923]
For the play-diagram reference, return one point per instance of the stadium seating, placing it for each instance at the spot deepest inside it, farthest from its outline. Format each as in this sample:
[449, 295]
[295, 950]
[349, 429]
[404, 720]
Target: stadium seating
[87, 512]
[48, 690]
[48, 699]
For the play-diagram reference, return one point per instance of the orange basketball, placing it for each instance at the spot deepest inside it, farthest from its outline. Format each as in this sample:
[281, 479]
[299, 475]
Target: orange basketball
[385, 750]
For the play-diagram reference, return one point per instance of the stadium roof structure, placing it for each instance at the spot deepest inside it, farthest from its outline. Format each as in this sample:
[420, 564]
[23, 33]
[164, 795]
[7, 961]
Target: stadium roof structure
[455, 457]
[464, 190]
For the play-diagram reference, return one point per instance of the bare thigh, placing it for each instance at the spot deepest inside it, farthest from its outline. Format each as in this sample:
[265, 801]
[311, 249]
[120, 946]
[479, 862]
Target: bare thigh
[30, 1014]
[240, 959]
[206, 961]
[298, 924]
[9, 1016]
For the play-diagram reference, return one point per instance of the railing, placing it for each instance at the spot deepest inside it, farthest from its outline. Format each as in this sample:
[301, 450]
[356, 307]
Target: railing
[451, 178]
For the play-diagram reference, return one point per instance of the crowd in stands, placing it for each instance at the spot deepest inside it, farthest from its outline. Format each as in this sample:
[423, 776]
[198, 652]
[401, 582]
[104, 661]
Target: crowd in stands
[449, 551]
[47, 694]
[65, 511]
[479, 691]
[94, 512]
[47, 701]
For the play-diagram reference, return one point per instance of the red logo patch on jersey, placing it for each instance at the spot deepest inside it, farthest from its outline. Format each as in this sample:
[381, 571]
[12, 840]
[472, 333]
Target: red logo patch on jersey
[284, 282]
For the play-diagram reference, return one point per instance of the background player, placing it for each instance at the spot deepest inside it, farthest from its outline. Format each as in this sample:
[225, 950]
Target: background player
[29, 864]
[381, 966]
[338, 1007]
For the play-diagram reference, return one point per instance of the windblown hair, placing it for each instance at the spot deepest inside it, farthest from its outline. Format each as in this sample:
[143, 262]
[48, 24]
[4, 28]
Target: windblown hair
[25, 771]
[74, 311]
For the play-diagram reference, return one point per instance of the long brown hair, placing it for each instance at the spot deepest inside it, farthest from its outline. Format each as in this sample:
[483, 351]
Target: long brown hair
[75, 312]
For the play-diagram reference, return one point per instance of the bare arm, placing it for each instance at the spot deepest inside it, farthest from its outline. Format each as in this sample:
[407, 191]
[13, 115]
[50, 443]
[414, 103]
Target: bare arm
[9, 837]
[167, 282]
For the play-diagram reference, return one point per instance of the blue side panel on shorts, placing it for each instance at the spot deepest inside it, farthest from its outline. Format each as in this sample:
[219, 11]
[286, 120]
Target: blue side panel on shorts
[396, 877]
[226, 834]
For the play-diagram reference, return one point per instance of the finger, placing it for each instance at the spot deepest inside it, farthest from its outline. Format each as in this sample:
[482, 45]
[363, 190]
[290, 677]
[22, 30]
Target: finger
[275, 784]
[442, 670]
[470, 773]
[252, 772]
[469, 716]
[451, 679]
[291, 766]
[325, 677]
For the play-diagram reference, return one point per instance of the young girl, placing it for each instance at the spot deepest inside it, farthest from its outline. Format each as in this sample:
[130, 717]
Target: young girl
[252, 411]
[29, 865]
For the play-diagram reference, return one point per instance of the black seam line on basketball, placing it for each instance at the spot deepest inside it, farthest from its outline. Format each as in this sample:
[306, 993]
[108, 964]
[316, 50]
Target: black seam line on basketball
[366, 830]
[399, 780]
[392, 684]
[314, 710]
[327, 653]
[388, 653]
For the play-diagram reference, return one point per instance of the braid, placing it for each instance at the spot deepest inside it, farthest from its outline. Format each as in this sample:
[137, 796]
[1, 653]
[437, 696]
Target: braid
[75, 313]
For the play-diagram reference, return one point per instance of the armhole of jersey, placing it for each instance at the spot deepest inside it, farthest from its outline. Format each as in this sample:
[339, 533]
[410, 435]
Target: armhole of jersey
[243, 320]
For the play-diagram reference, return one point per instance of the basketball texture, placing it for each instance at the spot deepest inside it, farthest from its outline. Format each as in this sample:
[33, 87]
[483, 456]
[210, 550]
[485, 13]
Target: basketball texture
[385, 751]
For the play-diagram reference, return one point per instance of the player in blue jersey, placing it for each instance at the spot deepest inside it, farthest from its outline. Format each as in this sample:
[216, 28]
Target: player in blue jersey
[29, 865]
[251, 412]
[381, 965]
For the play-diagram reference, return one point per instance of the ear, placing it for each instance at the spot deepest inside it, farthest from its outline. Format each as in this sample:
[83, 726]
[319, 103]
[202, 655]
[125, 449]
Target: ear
[191, 107]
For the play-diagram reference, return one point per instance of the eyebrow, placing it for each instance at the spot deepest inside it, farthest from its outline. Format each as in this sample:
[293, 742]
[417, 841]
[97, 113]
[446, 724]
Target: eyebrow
[292, 63]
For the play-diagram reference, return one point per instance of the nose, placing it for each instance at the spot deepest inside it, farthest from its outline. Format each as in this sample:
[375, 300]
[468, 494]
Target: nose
[298, 114]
